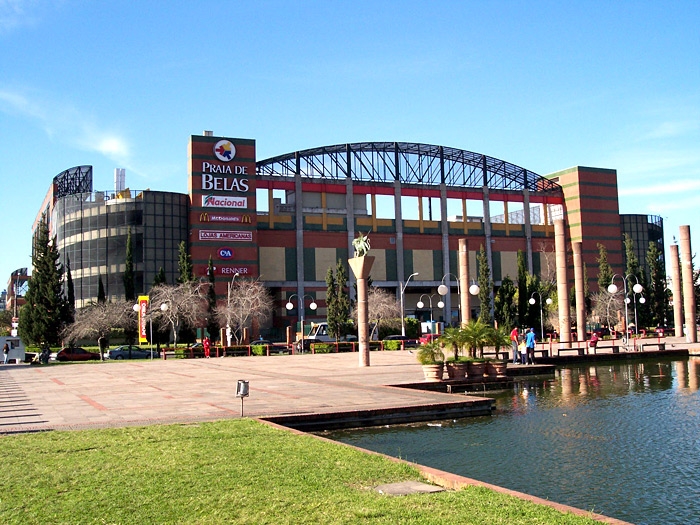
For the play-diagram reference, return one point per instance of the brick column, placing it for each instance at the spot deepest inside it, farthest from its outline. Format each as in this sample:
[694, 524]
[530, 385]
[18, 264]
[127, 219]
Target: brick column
[688, 291]
[464, 302]
[580, 287]
[562, 285]
[677, 297]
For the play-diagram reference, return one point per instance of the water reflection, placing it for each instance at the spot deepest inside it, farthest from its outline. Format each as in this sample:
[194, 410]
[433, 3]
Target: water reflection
[621, 439]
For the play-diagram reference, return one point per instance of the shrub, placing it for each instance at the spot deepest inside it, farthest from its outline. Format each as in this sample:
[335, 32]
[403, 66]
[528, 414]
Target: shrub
[392, 344]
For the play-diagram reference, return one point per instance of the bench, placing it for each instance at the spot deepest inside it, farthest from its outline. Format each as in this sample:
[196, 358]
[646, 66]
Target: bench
[659, 346]
[579, 350]
[504, 353]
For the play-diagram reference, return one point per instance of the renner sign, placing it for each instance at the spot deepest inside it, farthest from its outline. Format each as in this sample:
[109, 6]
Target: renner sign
[216, 201]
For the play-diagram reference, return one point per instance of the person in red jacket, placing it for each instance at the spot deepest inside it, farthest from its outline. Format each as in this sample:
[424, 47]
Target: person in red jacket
[514, 335]
[206, 343]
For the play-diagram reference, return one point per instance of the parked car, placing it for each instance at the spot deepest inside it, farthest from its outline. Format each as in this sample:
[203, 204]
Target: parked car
[407, 341]
[426, 338]
[76, 354]
[602, 331]
[131, 352]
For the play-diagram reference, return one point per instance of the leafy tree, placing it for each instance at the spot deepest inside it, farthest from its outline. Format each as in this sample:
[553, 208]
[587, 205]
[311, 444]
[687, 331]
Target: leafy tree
[184, 264]
[337, 301]
[485, 287]
[605, 274]
[129, 285]
[505, 307]
[453, 337]
[522, 288]
[43, 316]
[212, 322]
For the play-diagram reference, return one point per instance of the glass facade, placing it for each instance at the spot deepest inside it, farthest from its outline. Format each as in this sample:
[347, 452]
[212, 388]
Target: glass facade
[91, 234]
[643, 229]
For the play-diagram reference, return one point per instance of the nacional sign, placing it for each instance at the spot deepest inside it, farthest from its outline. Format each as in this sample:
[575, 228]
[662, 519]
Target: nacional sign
[216, 201]
[223, 235]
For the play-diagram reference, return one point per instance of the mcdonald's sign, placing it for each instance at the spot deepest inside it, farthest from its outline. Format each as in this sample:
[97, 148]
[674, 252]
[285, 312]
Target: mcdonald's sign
[206, 216]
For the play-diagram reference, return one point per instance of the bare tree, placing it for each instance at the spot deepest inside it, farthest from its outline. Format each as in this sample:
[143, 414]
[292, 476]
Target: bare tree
[178, 305]
[97, 320]
[247, 300]
[607, 307]
[382, 309]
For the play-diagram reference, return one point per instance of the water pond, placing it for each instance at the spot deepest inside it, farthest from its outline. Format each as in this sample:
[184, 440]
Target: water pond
[622, 439]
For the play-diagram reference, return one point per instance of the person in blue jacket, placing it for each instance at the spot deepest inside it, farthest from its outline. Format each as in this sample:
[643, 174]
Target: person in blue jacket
[530, 340]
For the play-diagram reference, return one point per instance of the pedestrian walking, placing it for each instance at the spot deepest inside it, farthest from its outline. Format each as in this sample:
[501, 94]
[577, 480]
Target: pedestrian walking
[206, 343]
[6, 352]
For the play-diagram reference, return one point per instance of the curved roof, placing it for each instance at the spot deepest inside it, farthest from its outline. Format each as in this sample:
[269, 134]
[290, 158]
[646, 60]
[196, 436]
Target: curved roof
[409, 163]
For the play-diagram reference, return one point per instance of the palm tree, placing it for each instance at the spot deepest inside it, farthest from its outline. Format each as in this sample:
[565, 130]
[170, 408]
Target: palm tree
[476, 335]
[499, 337]
[453, 337]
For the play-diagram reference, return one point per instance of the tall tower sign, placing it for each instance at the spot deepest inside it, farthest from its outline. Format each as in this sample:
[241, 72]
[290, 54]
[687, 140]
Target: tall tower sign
[222, 208]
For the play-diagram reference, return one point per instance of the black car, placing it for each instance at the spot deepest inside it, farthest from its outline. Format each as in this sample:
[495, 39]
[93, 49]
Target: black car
[132, 352]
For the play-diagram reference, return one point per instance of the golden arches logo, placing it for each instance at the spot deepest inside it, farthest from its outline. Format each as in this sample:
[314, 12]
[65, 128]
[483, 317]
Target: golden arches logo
[246, 219]
[204, 217]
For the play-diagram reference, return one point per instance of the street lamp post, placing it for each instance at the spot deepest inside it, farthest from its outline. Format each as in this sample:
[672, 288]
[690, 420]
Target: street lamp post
[443, 290]
[532, 301]
[403, 303]
[300, 302]
[637, 289]
[420, 304]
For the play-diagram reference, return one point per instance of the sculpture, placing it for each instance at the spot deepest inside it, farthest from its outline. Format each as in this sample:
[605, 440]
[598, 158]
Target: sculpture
[361, 244]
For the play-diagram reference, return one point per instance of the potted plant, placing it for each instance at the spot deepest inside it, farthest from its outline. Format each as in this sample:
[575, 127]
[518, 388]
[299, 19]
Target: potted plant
[431, 357]
[476, 336]
[498, 337]
[456, 367]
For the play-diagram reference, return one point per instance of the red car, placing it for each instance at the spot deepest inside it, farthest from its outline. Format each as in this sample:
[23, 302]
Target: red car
[426, 338]
[76, 354]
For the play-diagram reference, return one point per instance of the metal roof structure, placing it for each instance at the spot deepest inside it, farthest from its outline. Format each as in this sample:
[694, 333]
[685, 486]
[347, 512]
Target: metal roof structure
[409, 163]
[73, 181]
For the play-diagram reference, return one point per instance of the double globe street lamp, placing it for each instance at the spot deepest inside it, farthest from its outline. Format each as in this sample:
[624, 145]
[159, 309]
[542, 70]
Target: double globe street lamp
[637, 289]
[532, 301]
[403, 303]
[300, 303]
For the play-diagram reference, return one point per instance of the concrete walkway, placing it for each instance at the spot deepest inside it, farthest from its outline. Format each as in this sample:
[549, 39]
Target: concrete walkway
[120, 393]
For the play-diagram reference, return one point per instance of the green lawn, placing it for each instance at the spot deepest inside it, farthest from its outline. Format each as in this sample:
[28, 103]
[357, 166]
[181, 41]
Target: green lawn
[234, 471]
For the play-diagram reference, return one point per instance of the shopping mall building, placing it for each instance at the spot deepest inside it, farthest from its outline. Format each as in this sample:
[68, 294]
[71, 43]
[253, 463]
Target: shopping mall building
[286, 220]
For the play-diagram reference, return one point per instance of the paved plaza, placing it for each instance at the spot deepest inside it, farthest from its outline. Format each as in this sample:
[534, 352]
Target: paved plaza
[119, 393]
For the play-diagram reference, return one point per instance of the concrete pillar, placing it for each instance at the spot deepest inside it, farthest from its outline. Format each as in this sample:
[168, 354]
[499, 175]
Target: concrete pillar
[464, 301]
[688, 291]
[361, 266]
[576, 248]
[562, 284]
[677, 297]
[445, 240]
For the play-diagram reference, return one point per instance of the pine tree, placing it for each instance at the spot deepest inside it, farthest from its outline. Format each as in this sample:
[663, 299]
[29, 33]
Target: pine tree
[505, 309]
[485, 287]
[43, 315]
[522, 289]
[337, 301]
[159, 277]
[129, 286]
[101, 296]
[212, 324]
[69, 316]
[656, 302]
[605, 274]
[633, 267]
[184, 264]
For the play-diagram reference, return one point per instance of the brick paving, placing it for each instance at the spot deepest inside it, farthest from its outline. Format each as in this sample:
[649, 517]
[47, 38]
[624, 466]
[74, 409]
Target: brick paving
[121, 393]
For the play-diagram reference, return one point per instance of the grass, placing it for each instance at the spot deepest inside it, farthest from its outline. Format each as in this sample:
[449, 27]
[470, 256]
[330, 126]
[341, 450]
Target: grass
[234, 471]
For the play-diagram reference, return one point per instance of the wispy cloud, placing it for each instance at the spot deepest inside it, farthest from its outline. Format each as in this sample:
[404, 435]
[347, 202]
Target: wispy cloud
[67, 124]
[16, 13]
[666, 130]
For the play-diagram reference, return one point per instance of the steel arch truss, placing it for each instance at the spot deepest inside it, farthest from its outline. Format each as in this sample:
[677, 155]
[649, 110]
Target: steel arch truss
[409, 163]
[73, 181]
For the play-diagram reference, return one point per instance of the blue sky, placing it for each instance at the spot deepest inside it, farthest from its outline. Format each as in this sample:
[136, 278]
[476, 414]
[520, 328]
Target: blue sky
[544, 85]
